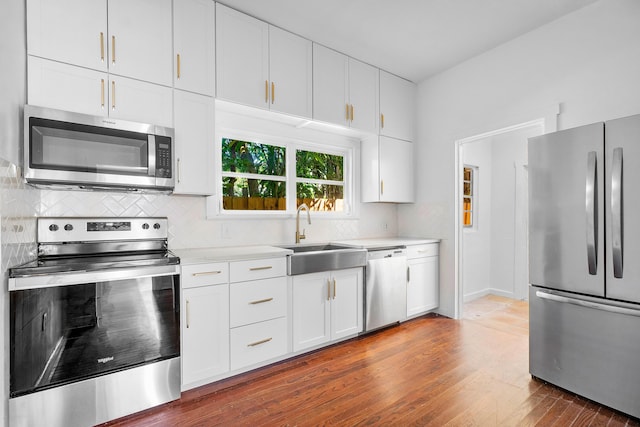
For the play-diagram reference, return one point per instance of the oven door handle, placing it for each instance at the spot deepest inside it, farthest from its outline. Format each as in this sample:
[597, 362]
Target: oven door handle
[81, 277]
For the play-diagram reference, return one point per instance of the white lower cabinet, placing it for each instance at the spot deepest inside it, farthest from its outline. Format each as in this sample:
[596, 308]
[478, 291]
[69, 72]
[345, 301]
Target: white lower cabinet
[205, 333]
[422, 286]
[327, 306]
[255, 343]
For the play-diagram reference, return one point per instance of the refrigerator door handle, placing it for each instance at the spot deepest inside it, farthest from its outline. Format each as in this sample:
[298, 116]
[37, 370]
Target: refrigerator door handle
[591, 208]
[589, 304]
[616, 212]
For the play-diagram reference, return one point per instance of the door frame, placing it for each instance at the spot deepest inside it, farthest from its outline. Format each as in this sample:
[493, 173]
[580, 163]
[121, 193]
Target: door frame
[547, 121]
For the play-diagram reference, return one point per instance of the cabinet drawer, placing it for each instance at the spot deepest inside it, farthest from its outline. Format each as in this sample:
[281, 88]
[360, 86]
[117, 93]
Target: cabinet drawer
[256, 343]
[242, 271]
[258, 300]
[204, 274]
[419, 251]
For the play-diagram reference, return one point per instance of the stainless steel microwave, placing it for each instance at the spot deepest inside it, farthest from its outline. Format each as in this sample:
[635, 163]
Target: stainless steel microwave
[78, 151]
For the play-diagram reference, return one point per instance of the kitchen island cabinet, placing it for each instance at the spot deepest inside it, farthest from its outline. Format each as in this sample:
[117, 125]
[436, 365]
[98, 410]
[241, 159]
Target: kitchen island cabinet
[327, 306]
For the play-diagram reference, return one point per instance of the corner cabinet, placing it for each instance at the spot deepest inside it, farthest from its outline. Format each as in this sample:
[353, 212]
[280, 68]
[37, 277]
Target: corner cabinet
[387, 170]
[205, 323]
[262, 66]
[345, 91]
[423, 283]
[397, 106]
[327, 306]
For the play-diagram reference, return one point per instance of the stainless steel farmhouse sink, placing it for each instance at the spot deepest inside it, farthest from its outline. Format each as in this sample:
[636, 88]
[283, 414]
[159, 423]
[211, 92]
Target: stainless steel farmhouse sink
[313, 258]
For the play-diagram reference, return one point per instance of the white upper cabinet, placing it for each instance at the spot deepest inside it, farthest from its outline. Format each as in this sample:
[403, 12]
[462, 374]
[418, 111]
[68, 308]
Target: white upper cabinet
[261, 65]
[345, 91]
[194, 123]
[71, 31]
[194, 46]
[140, 39]
[136, 42]
[387, 170]
[139, 101]
[242, 58]
[290, 72]
[330, 86]
[397, 106]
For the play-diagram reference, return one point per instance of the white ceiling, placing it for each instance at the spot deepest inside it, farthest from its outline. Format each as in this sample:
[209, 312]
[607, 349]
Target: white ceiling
[414, 39]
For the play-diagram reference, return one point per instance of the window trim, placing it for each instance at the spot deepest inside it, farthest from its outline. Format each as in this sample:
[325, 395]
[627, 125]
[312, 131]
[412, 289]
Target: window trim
[349, 150]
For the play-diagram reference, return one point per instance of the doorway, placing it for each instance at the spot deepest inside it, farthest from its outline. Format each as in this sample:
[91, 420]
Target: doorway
[493, 247]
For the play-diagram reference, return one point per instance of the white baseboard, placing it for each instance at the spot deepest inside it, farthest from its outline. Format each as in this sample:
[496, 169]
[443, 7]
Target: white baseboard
[488, 291]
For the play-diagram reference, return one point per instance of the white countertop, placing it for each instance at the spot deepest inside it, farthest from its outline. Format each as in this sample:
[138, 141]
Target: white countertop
[385, 242]
[234, 253]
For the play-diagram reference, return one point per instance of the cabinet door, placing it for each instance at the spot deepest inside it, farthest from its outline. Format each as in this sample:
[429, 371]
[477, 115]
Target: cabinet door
[194, 121]
[396, 170]
[205, 332]
[71, 31]
[397, 106]
[346, 303]
[363, 96]
[194, 46]
[422, 287]
[140, 39]
[290, 71]
[242, 58]
[311, 310]
[66, 87]
[330, 85]
[370, 169]
[140, 101]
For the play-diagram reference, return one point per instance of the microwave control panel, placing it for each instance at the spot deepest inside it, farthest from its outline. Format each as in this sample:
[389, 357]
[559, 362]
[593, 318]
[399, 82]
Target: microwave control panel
[163, 157]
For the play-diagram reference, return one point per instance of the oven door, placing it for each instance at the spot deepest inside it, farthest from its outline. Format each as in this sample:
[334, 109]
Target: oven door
[66, 328]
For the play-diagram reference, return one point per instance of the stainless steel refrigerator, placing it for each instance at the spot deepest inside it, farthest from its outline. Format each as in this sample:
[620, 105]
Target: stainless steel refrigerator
[584, 261]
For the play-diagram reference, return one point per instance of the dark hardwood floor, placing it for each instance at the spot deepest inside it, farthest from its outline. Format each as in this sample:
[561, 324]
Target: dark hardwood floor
[429, 371]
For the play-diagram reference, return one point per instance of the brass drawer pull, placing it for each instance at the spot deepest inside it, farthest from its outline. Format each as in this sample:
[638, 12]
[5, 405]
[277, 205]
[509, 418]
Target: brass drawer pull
[260, 301]
[206, 273]
[266, 267]
[253, 344]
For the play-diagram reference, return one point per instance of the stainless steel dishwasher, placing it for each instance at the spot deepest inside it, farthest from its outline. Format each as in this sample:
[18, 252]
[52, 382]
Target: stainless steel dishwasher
[385, 288]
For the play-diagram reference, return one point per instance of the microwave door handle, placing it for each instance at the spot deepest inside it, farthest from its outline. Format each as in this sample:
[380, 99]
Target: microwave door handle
[591, 208]
[152, 154]
[616, 213]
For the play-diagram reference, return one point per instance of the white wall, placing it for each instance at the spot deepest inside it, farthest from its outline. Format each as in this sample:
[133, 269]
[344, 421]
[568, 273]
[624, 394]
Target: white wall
[588, 61]
[476, 269]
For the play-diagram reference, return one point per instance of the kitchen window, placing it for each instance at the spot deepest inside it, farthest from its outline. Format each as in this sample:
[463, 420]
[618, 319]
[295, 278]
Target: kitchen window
[263, 177]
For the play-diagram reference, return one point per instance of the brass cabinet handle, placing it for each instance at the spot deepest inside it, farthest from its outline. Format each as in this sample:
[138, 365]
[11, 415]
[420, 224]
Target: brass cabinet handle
[101, 46]
[261, 301]
[178, 167]
[206, 273]
[266, 267]
[187, 314]
[253, 344]
[113, 94]
[408, 274]
[266, 91]
[102, 93]
[351, 112]
[178, 64]
[347, 111]
[273, 92]
[334, 289]
[328, 289]
[113, 49]
[381, 186]
[382, 120]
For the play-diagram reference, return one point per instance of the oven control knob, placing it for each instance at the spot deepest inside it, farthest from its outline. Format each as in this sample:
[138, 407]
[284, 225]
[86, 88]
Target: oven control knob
[145, 226]
[68, 227]
[53, 227]
[156, 226]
